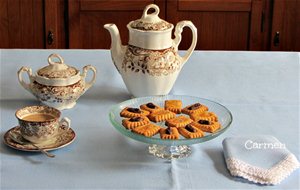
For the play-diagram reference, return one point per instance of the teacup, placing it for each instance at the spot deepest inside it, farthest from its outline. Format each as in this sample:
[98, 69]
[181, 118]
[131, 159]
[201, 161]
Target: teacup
[40, 123]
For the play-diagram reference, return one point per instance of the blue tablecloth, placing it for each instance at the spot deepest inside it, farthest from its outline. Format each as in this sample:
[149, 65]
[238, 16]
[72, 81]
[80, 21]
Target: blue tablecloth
[260, 88]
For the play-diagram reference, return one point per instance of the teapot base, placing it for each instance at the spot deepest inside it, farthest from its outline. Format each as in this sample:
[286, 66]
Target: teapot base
[61, 106]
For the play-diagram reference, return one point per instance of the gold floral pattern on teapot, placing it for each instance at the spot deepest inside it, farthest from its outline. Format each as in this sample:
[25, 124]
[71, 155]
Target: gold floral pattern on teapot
[155, 63]
[140, 25]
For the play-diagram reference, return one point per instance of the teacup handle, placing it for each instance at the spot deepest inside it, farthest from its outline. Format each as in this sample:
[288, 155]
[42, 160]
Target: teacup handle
[65, 122]
[178, 30]
[84, 73]
[20, 78]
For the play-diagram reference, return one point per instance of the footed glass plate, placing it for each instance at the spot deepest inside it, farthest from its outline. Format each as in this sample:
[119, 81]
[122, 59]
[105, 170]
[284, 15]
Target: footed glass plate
[165, 148]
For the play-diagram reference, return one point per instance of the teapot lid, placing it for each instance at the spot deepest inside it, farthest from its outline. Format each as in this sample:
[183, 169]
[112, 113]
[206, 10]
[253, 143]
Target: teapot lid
[57, 69]
[151, 22]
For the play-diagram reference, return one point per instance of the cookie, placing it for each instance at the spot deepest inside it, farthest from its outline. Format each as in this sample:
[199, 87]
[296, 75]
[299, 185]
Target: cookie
[134, 122]
[179, 121]
[161, 115]
[210, 116]
[150, 107]
[194, 108]
[169, 133]
[133, 112]
[207, 126]
[190, 132]
[173, 105]
[147, 130]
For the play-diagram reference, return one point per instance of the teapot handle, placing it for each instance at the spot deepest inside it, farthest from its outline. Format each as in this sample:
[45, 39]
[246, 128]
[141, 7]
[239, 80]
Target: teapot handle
[178, 30]
[84, 73]
[20, 78]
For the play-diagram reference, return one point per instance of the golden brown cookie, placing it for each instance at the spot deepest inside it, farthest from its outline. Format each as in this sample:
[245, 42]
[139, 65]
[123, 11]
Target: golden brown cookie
[147, 130]
[161, 115]
[173, 105]
[150, 107]
[194, 108]
[190, 132]
[207, 126]
[179, 121]
[169, 133]
[210, 116]
[133, 122]
[133, 112]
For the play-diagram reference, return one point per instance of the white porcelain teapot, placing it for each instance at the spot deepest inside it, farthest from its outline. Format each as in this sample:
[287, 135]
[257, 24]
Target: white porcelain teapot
[57, 85]
[150, 64]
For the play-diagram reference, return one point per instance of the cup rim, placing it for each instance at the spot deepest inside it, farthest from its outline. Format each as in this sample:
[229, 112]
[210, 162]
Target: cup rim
[57, 116]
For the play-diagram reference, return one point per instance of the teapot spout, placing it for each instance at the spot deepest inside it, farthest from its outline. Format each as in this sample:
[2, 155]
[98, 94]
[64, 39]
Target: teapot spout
[117, 49]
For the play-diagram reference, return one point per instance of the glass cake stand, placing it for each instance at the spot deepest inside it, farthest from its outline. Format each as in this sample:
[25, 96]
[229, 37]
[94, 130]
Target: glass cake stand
[170, 149]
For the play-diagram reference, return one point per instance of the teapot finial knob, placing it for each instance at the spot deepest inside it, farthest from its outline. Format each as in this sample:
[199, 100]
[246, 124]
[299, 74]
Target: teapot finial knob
[153, 16]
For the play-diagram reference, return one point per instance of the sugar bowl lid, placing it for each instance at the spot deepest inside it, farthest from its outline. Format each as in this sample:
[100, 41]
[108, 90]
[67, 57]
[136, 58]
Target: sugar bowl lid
[57, 69]
[57, 73]
[151, 22]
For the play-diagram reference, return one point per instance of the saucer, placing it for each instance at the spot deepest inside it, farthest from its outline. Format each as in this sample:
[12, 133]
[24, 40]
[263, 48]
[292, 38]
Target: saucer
[63, 138]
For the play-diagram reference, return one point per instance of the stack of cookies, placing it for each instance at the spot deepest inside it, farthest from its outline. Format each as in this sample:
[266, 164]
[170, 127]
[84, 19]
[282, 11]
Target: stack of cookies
[192, 121]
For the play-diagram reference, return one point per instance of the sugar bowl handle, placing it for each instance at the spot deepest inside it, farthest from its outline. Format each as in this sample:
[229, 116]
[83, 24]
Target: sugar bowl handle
[178, 30]
[84, 73]
[20, 78]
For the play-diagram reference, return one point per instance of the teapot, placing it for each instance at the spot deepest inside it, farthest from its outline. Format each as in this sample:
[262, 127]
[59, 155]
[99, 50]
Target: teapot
[150, 63]
[57, 85]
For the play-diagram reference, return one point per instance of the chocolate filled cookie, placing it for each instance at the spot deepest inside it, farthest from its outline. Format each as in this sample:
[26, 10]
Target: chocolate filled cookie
[169, 133]
[134, 122]
[133, 112]
[151, 107]
[190, 132]
[194, 108]
[207, 126]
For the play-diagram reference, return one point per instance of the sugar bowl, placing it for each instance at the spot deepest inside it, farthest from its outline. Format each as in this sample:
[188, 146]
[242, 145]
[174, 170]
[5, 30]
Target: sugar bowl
[57, 85]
